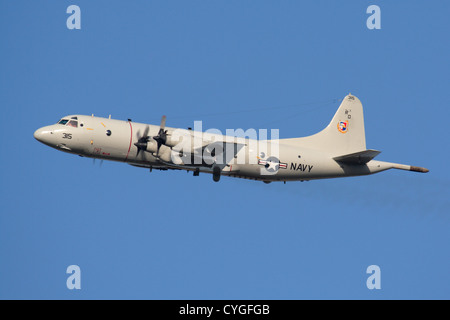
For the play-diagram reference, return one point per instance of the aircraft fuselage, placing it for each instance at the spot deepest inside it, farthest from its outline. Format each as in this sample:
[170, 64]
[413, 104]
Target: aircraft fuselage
[111, 139]
[337, 151]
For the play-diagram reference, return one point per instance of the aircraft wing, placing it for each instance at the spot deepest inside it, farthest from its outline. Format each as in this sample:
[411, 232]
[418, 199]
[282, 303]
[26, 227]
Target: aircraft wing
[219, 153]
[361, 157]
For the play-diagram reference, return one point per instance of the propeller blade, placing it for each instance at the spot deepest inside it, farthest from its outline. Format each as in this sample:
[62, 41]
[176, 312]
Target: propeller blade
[138, 135]
[163, 122]
[141, 143]
[147, 128]
[162, 135]
[93, 162]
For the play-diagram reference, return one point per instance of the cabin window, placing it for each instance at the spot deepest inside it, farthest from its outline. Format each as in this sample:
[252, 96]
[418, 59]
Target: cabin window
[108, 132]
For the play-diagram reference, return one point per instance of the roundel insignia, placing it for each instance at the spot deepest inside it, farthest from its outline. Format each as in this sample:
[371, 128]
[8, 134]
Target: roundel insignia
[272, 164]
[343, 126]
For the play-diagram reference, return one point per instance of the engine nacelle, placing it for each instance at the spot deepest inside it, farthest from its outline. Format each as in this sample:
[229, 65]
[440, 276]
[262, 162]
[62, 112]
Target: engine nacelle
[180, 139]
[152, 146]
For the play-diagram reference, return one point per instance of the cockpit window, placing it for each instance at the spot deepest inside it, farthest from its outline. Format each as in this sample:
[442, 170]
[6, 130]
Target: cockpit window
[73, 123]
[69, 123]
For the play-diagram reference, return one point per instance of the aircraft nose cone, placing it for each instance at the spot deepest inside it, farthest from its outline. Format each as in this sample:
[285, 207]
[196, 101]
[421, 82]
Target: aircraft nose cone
[38, 134]
[44, 135]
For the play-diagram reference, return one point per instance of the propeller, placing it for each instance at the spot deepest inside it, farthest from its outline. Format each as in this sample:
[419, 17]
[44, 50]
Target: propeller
[101, 162]
[161, 138]
[141, 144]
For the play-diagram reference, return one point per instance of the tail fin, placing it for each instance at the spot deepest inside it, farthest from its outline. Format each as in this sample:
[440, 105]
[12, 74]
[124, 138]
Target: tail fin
[345, 133]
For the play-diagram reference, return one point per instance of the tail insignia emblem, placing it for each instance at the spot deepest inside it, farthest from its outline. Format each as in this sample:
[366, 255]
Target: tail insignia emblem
[343, 126]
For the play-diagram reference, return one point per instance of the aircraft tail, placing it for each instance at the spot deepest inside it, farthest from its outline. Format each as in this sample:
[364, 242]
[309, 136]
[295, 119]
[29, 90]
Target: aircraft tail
[344, 135]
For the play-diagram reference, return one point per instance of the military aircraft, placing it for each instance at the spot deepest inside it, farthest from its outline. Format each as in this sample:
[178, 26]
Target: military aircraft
[339, 150]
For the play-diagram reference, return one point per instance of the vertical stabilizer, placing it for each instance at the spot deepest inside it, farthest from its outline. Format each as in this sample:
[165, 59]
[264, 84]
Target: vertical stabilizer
[345, 133]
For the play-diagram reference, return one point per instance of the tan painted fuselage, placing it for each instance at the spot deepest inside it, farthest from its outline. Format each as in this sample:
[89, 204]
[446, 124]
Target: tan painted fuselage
[337, 151]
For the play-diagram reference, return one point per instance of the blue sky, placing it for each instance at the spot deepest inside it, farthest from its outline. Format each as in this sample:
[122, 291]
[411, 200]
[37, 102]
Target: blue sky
[168, 235]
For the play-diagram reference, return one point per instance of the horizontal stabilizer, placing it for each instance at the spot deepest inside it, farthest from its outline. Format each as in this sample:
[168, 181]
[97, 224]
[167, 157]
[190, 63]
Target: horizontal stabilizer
[361, 157]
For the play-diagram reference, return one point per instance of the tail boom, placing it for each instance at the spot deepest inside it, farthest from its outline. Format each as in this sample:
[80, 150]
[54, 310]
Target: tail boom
[410, 168]
[377, 166]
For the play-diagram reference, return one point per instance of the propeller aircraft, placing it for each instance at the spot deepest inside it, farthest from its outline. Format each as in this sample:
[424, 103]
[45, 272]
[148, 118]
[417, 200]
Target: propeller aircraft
[339, 150]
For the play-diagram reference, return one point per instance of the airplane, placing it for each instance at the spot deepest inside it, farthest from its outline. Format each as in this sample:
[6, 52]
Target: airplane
[339, 150]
